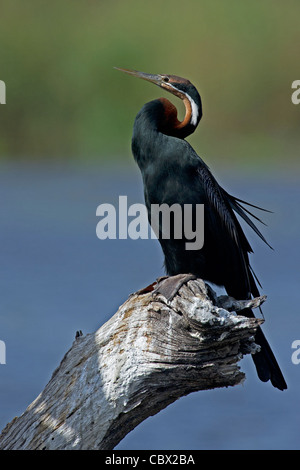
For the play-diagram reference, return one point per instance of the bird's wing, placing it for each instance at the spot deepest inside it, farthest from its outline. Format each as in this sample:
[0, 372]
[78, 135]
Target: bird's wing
[236, 205]
[226, 204]
[224, 207]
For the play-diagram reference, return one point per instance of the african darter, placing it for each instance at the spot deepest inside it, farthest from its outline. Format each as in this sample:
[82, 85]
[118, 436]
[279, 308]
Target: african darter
[173, 173]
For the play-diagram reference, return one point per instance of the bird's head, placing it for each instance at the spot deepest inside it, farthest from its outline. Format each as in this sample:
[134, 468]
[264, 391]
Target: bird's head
[178, 86]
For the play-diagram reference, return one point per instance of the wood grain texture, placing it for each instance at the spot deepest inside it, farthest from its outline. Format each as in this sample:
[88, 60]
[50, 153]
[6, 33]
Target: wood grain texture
[149, 354]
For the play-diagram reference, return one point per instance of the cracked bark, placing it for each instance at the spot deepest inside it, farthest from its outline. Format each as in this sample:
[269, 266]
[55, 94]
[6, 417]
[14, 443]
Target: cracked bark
[149, 354]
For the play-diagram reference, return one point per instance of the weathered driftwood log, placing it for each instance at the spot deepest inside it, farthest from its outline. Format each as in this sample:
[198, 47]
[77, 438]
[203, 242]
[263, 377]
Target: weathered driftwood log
[149, 354]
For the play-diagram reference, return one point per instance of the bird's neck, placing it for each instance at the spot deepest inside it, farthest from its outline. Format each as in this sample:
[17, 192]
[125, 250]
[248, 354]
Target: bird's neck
[161, 115]
[156, 120]
[170, 124]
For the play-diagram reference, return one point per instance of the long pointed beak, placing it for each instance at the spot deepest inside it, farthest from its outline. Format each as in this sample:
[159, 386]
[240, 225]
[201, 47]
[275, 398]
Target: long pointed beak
[156, 79]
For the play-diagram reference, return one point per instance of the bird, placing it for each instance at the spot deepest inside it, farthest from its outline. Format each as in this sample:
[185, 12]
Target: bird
[173, 173]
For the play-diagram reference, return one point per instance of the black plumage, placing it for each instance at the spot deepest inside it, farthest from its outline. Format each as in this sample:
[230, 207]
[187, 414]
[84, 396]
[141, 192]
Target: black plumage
[173, 173]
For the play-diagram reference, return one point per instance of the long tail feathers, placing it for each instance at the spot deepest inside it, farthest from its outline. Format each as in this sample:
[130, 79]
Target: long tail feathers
[242, 212]
[266, 364]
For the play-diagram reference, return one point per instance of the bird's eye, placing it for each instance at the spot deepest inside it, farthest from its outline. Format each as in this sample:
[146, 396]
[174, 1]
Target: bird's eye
[166, 79]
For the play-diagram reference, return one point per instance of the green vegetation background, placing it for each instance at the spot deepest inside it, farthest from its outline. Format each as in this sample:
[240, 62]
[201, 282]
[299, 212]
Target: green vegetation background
[65, 101]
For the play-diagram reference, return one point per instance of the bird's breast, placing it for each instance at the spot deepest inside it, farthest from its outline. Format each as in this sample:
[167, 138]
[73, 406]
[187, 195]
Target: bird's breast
[172, 185]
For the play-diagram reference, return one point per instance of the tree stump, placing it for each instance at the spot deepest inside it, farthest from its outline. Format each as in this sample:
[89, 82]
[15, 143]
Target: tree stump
[149, 354]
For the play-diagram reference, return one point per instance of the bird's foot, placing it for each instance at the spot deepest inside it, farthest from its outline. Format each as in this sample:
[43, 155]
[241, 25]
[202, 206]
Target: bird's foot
[169, 286]
[145, 290]
[150, 288]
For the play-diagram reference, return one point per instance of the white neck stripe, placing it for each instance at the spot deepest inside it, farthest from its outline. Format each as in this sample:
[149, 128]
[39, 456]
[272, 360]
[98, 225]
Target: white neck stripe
[195, 109]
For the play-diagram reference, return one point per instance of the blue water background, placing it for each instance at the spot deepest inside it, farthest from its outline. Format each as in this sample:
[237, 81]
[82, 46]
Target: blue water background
[57, 277]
